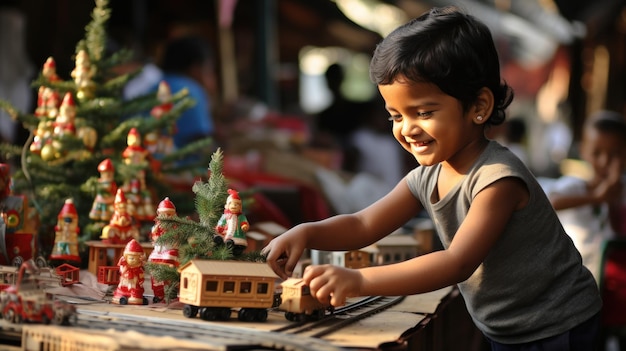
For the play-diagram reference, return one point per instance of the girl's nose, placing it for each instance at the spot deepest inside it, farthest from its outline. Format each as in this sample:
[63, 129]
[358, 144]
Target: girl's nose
[409, 127]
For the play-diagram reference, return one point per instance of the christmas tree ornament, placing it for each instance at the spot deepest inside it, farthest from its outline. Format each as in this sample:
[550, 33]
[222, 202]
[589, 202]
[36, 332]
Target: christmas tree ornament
[106, 188]
[66, 234]
[64, 122]
[121, 228]
[233, 225]
[83, 73]
[49, 70]
[130, 288]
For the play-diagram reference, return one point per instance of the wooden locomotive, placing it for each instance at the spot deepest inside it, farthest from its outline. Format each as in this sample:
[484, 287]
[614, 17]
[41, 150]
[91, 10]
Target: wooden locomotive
[298, 303]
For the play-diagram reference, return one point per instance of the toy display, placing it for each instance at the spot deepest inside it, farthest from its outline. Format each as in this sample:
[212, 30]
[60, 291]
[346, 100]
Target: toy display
[121, 228]
[162, 253]
[233, 225]
[26, 301]
[131, 265]
[66, 234]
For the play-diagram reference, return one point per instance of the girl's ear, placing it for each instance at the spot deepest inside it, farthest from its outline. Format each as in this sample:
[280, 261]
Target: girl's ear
[483, 105]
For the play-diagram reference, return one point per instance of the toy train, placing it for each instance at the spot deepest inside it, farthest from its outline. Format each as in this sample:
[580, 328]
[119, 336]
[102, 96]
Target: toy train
[23, 299]
[213, 289]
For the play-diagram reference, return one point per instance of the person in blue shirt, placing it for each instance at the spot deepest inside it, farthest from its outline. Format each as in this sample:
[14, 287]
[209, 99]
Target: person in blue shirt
[188, 63]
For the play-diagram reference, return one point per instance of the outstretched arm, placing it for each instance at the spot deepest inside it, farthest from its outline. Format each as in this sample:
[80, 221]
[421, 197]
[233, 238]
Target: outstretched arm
[488, 215]
[343, 232]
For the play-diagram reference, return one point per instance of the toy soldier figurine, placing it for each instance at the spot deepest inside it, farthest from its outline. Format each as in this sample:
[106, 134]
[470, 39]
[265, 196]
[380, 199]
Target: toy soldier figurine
[102, 208]
[130, 288]
[66, 234]
[162, 253]
[233, 225]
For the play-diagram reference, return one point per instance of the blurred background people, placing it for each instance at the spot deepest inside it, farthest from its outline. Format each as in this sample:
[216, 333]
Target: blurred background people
[188, 63]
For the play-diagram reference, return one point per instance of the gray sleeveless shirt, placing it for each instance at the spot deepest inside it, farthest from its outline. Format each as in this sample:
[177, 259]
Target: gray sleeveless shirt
[532, 284]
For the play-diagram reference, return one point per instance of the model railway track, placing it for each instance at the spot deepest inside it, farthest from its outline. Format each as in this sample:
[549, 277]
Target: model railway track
[218, 337]
[341, 317]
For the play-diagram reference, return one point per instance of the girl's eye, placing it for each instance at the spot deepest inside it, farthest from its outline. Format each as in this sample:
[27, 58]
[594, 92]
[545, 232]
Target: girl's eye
[395, 118]
[425, 114]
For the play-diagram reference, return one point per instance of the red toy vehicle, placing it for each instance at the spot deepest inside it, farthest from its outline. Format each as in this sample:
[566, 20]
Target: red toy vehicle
[26, 301]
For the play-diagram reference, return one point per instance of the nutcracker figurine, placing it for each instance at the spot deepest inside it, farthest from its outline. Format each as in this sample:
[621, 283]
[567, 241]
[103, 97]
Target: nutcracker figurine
[121, 228]
[162, 253]
[130, 288]
[233, 225]
[102, 208]
[66, 234]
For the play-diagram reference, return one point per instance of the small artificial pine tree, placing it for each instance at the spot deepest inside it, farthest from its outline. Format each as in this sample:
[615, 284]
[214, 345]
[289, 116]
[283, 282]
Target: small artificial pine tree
[68, 141]
[194, 239]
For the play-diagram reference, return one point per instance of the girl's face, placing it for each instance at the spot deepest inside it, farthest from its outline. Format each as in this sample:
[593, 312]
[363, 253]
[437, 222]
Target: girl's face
[428, 123]
[604, 152]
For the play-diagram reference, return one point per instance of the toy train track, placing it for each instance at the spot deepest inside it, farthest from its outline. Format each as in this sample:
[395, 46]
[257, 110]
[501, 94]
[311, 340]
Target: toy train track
[341, 317]
[212, 335]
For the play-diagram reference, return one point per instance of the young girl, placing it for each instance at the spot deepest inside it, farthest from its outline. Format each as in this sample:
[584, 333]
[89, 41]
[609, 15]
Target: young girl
[520, 275]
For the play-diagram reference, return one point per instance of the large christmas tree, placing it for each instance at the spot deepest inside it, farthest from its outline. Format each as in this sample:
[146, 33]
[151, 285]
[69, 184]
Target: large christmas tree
[82, 121]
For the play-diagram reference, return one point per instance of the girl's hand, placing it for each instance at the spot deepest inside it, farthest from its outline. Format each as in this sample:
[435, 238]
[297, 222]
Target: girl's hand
[283, 252]
[332, 284]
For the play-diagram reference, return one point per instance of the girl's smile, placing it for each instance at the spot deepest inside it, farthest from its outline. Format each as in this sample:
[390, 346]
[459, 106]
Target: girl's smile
[430, 124]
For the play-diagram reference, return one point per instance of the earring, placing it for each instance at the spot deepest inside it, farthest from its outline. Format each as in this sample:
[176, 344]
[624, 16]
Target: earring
[479, 118]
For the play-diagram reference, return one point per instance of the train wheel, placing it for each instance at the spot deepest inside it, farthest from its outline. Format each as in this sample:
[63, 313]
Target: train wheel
[45, 320]
[245, 315]
[41, 262]
[190, 311]
[224, 314]
[208, 314]
[290, 316]
[318, 314]
[123, 300]
[261, 315]
[58, 318]
[9, 315]
[17, 261]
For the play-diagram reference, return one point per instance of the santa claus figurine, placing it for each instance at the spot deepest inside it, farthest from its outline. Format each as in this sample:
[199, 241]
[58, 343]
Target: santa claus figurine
[163, 253]
[233, 225]
[130, 288]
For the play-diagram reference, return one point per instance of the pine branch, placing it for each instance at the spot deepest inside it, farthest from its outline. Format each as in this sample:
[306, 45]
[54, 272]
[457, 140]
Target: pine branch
[95, 34]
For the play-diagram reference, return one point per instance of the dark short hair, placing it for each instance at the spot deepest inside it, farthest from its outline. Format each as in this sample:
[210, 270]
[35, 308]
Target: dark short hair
[607, 121]
[182, 53]
[448, 48]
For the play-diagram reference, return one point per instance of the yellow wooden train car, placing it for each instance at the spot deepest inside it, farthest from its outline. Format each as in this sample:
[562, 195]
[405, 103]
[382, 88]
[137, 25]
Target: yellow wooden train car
[212, 288]
[298, 303]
